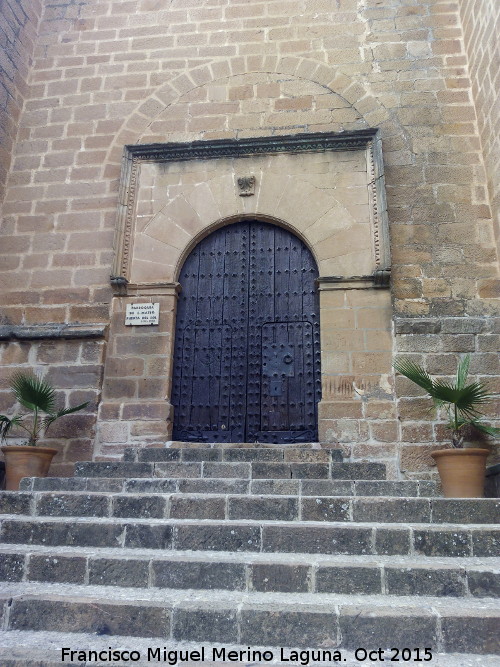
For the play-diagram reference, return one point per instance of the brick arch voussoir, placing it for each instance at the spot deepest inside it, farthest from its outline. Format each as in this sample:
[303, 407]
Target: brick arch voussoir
[372, 110]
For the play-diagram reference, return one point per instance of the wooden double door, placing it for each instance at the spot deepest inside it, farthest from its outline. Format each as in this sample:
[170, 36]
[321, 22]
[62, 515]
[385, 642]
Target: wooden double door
[247, 358]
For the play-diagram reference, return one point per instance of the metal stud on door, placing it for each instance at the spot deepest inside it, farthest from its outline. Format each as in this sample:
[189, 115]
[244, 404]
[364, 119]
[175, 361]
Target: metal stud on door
[246, 360]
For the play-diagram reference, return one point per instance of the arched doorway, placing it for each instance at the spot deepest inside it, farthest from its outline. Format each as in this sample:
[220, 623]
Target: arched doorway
[247, 355]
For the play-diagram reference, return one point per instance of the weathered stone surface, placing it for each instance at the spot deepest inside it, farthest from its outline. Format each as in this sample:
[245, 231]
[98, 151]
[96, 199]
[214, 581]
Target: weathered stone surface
[309, 455]
[386, 488]
[96, 617]
[485, 542]
[259, 518]
[261, 470]
[428, 488]
[349, 580]
[156, 454]
[280, 578]
[14, 502]
[254, 454]
[286, 487]
[325, 509]
[11, 567]
[472, 634]
[285, 627]
[218, 538]
[218, 624]
[214, 485]
[140, 507]
[147, 536]
[321, 539]
[67, 504]
[388, 510]
[425, 581]
[195, 574]
[358, 471]
[92, 535]
[267, 509]
[175, 469]
[230, 470]
[61, 533]
[104, 484]
[201, 454]
[57, 569]
[309, 470]
[150, 486]
[392, 542]
[197, 508]
[420, 326]
[478, 510]
[389, 627]
[118, 572]
[483, 583]
[442, 543]
[326, 487]
[113, 469]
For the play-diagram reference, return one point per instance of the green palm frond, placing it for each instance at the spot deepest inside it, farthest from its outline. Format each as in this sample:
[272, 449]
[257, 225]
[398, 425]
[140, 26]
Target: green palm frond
[49, 419]
[415, 373]
[463, 401]
[37, 396]
[33, 392]
[7, 423]
[467, 399]
[484, 428]
[463, 372]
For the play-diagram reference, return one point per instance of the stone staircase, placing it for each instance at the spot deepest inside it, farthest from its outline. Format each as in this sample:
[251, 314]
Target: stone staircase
[285, 548]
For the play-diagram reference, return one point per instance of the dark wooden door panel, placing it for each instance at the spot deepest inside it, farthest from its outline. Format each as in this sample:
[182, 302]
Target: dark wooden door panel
[246, 361]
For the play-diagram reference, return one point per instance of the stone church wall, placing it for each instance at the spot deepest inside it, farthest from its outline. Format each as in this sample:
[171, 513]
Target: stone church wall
[18, 33]
[481, 27]
[110, 73]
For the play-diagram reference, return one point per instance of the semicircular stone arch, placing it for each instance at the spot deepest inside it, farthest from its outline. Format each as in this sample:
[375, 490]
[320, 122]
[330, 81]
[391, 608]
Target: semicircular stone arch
[251, 103]
[347, 93]
[241, 217]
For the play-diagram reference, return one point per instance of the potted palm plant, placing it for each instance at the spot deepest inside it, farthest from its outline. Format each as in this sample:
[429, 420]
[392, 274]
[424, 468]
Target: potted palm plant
[461, 469]
[38, 397]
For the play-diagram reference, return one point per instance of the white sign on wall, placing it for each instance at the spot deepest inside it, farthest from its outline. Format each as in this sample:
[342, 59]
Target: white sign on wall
[138, 314]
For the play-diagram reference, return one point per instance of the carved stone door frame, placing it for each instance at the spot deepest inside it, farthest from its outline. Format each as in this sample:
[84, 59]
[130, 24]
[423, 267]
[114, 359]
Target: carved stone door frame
[327, 188]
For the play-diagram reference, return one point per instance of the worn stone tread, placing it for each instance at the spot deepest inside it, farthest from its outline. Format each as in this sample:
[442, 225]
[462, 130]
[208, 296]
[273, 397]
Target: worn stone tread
[492, 562]
[207, 485]
[233, 469]
[295, 573]
[275, 453]
[283, 619]
[113, 594]
[266, 507]
[300, 548]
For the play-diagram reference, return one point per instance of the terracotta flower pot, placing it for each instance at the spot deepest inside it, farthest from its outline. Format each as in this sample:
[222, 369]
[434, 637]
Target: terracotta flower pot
[25, 461]
[462, 471]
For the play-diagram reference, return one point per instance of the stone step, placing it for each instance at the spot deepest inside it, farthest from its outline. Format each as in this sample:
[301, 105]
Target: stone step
[233, 470]
[239, 507]
[285, 573]
[251, 619]
[233, 455]
[43, 649]
[298, 487]
[255, 536]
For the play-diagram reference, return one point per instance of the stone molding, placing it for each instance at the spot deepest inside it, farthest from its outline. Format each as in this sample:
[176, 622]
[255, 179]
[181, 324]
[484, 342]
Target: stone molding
[135, 155]
[52, 331]
[122, 287]
[379, 279]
